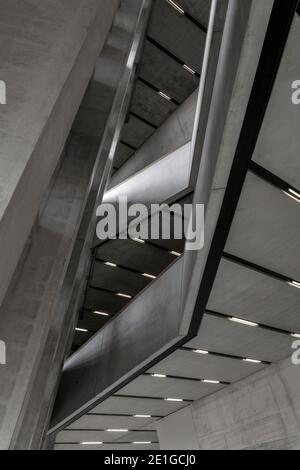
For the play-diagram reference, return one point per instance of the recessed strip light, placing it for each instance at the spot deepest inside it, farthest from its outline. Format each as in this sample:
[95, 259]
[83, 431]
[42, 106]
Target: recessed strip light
[174, 399]
[124, 295]
[175, 253]
[101, 313]
[295, 335]
[150, 276]
[252, 361]
[243, 322]
[112, 265]
[206, 381]
[189, 69]
[177, 7]
[166, 97]
[294, 284]
[139, 240]
[159, 376]
[142, 442]
[91, 443]
[83, 330]
[200, 351]
[142, 416]
[293, 194]
[117, 430]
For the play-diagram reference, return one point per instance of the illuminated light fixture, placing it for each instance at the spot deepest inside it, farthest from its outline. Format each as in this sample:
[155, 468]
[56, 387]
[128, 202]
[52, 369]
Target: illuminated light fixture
[149, 275]
[142, 416]
[177, 7]
[189, 69]
[83, 330]
[200, 351]
[174, 399]
[124, 295]
[294, 284]
[205, 381]
[252, 361]
[166, 97]
[139, 240]
[175, 253]
[112, 265]
[117, 430]
[101, 313]
[91, 443]
[159, 376]
[142, 442]
[295, 335]
[293, 194]
[243, 322]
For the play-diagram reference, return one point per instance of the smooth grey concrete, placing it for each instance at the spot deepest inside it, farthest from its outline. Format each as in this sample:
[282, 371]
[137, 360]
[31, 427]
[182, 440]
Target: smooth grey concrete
[177, 431]
[47, 56]
[261, 412]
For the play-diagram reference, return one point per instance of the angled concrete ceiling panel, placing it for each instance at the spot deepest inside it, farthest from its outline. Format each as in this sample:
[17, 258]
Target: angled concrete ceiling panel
[266, 228]
[245, 293]
[135, 132]
[200, 11]
[104, 301]
[134, 405]
[113, 422]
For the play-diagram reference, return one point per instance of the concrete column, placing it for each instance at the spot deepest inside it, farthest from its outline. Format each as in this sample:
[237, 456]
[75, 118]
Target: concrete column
[260, 412]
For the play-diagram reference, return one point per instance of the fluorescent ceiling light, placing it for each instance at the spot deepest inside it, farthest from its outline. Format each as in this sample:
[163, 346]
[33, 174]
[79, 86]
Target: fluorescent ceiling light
[243, 322]
[101, 313]
[200, 351]
[175, 253]
[113, 265]
[117, 430]
[124, 295]
[159, 376]
[205, 381]
[142, 416]
[149, 275]
[90, 443]
[82, 329]
[189, 69]
[139, 240]
[142, 442]
[253, 361]
[173, 399]
[177, 7]
[294, 284]
[295, 335]
[166, 97]
[293, 194]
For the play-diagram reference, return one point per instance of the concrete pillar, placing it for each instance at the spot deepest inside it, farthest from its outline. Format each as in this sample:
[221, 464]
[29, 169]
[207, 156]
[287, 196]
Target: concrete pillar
[260, 412]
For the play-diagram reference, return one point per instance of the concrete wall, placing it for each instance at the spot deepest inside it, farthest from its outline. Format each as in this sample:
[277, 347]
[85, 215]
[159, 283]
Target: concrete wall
[261, 412]
[47, 54]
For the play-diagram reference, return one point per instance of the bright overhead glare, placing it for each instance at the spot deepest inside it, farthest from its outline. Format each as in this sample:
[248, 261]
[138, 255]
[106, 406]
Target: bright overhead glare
[117, 430]
[205, 381]
[139, 240]
[200, 351]
[295, 335]
[177, 7]
[294, 284]
[112, 265]
[159, 376]
[293, 194]
[101, 313]
[189, 69]
[150, 276]
[142, 416]
[173, 399]
[243, 322]
[124, 295]
[91, 443]
[82, 329]
[166, 97]
[253, 361]
[175, 253]
[142, 442]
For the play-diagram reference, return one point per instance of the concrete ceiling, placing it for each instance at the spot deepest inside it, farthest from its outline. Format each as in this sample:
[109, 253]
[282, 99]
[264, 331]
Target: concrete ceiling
[252, 282]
